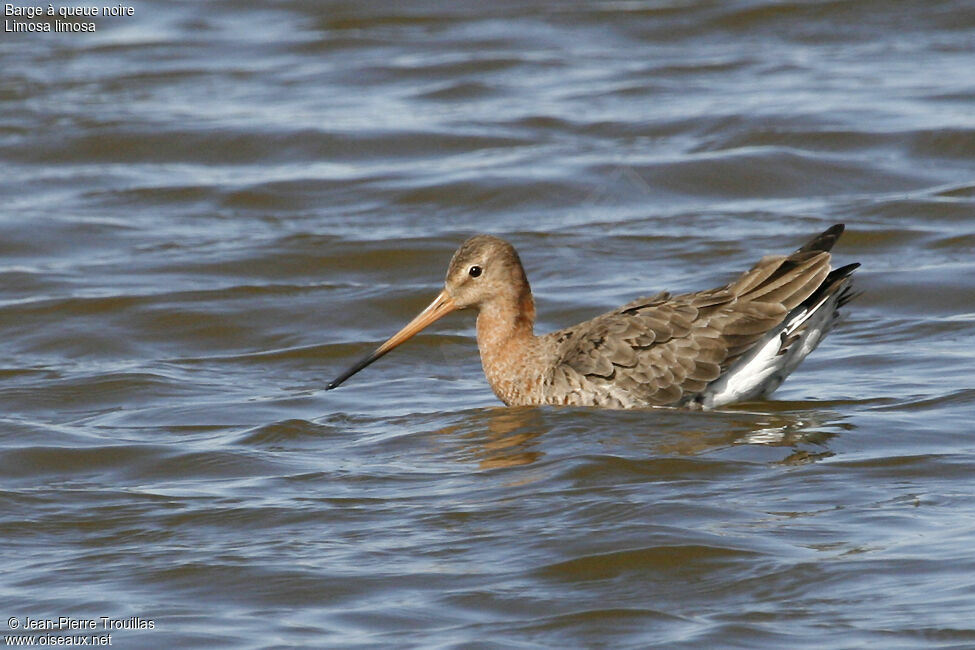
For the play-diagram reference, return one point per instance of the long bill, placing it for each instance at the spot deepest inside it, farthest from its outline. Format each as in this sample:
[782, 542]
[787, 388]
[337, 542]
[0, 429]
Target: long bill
[442, 305]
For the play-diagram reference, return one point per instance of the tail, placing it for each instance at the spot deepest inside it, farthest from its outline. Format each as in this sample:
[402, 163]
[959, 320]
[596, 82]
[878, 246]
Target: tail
[764, 366]
[818, 312]
[824, 241]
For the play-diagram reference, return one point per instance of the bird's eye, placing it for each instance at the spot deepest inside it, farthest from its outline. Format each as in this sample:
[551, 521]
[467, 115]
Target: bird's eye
[474, 271]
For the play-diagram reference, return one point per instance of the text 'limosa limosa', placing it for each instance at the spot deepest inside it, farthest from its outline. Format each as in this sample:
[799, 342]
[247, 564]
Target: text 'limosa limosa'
[706, 349]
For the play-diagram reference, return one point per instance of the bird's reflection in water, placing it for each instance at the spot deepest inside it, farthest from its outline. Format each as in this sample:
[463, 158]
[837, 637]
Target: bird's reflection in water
[511, 437]
[502, 437]
[785, 428]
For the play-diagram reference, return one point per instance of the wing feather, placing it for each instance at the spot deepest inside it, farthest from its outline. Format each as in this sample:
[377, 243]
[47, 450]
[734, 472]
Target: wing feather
[665, 349]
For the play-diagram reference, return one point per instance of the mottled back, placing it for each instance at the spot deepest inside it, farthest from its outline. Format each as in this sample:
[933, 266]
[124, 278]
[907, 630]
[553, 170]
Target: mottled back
[665, 350]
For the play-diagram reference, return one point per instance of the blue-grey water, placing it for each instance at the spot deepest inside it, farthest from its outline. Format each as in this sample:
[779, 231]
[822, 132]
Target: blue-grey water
[209, 209]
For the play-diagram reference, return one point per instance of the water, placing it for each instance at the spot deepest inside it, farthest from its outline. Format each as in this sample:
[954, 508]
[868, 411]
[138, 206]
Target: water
[210, 209]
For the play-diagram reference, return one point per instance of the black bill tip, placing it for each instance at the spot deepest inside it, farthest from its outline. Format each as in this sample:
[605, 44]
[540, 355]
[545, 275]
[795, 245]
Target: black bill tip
[372, 356]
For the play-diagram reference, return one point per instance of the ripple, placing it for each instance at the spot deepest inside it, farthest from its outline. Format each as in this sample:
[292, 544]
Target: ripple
[207, 214]
[683, 560]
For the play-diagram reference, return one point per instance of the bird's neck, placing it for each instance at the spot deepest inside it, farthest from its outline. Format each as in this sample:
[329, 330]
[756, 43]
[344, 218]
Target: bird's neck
[505, 339]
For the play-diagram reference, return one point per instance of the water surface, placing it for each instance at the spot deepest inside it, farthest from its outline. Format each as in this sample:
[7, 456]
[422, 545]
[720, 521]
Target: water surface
[212, 208]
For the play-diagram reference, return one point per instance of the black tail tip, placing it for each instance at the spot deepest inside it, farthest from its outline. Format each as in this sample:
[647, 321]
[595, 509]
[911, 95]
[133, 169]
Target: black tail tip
[825, 240]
